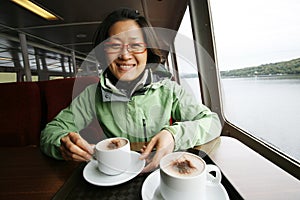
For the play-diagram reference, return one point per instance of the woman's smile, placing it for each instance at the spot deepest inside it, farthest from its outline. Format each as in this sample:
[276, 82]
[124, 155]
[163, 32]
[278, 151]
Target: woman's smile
[125, 67]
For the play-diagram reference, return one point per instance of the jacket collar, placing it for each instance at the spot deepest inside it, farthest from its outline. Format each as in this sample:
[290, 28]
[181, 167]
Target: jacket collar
[111, 90]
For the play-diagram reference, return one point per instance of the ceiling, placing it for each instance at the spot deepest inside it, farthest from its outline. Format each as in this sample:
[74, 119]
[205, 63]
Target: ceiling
[79, 20]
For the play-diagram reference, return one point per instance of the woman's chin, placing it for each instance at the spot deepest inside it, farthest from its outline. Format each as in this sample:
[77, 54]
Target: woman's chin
[126, 78]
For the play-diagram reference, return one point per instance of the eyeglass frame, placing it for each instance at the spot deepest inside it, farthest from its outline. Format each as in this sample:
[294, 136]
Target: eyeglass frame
[127, 46]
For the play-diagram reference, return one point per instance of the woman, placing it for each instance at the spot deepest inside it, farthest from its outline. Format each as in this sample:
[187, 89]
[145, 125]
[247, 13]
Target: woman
[135, 99]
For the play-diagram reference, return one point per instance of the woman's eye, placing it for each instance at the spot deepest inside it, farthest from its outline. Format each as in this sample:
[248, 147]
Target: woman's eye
[135, 45]
[115, 46]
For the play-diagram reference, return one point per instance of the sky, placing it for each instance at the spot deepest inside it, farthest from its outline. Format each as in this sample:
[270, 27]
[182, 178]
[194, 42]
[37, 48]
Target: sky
[249, 33]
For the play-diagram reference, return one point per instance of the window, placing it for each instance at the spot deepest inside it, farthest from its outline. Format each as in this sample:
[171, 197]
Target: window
[6, 77]
[258, 54]
[34, 78]
[55, 77]
[186, 58]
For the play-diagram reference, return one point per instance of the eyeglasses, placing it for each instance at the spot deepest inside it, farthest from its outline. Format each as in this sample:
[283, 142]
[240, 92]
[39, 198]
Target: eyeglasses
[135, 48]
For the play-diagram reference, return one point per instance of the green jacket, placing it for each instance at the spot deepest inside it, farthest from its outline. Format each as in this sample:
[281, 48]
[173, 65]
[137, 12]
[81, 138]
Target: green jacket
[141, 113]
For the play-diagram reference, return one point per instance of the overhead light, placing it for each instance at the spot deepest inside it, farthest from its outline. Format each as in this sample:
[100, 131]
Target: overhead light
[36, 9]
[4, 58]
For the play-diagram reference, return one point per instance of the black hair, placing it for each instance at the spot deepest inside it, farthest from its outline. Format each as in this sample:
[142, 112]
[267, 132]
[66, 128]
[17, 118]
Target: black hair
[154, 54]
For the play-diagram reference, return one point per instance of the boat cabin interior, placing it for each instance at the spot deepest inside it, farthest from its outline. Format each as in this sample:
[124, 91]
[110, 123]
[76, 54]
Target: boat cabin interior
[45, 63]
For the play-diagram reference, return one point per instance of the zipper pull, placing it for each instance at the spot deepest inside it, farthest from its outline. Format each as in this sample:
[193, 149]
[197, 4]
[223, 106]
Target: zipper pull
[145, 133]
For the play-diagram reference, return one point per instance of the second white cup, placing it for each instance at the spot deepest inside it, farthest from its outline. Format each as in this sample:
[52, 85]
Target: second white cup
[184, 176]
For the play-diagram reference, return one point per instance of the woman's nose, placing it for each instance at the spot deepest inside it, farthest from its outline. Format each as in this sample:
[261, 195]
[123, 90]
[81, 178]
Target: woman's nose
[125, 54]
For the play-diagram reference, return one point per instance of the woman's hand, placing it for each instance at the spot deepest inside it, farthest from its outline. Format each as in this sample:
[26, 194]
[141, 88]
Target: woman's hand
[164, 144]
[74, 147]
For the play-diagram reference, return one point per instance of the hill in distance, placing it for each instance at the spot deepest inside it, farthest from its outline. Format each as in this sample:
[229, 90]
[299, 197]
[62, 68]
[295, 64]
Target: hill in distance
[291, 67]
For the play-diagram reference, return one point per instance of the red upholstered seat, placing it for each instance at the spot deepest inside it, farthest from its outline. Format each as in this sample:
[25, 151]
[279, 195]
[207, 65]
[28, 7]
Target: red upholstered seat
[26, 108]
[58, 94]
[20, 114]
[55, 96]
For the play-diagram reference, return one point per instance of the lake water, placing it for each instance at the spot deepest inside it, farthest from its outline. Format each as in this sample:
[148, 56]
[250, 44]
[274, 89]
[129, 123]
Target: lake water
[267, 107]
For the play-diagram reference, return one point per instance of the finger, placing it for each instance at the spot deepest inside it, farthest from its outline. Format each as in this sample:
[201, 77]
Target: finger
[149, 168]
[154, 163]
[149, 148]
[82, 143]
[73, 150]
[67, 155]
[142, 150]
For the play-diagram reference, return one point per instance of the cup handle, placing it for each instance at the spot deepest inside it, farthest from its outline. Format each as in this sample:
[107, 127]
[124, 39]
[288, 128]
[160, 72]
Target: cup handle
[94, 156]
[213, 180]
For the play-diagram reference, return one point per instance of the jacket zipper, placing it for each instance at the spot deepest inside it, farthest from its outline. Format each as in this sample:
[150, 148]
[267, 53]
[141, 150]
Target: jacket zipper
[145, 133]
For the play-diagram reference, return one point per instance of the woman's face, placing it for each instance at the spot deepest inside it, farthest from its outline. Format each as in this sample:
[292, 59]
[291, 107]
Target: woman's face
[125, 65]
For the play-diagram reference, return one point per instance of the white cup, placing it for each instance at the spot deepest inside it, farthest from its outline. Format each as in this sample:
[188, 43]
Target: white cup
[184, 176]
[113, 155]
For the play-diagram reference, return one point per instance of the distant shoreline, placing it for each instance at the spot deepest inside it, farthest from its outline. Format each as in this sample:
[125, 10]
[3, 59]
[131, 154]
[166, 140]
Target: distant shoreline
[271, 76]
[278, 76]
[291, 67]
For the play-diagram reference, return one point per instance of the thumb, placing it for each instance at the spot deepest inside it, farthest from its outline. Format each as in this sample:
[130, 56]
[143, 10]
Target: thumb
[148, 149]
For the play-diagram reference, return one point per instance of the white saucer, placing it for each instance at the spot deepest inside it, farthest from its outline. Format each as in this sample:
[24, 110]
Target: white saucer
[92, 174]
[150, 189]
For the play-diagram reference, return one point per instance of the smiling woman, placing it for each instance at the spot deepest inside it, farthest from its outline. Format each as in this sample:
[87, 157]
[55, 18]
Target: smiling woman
[133, 84]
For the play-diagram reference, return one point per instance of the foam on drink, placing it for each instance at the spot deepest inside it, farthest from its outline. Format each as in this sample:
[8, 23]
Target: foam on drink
[116, 143]
[112, 144]
[184, 166]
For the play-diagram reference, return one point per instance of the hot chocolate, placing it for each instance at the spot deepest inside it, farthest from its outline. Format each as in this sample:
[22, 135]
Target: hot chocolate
[111, 144]
[116, 143]
[184, 166]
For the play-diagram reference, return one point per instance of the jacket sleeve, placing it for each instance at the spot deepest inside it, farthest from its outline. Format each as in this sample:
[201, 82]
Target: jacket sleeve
[194, 123]
[71, 119]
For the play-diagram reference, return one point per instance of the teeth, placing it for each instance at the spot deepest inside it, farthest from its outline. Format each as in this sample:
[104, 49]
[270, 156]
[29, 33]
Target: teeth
[125, 66]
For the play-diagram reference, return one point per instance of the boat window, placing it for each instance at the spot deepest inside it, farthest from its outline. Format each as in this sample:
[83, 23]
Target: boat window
[7, 77]
[35, 78]
[258, 55]
[186, 57]
[55, 77]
